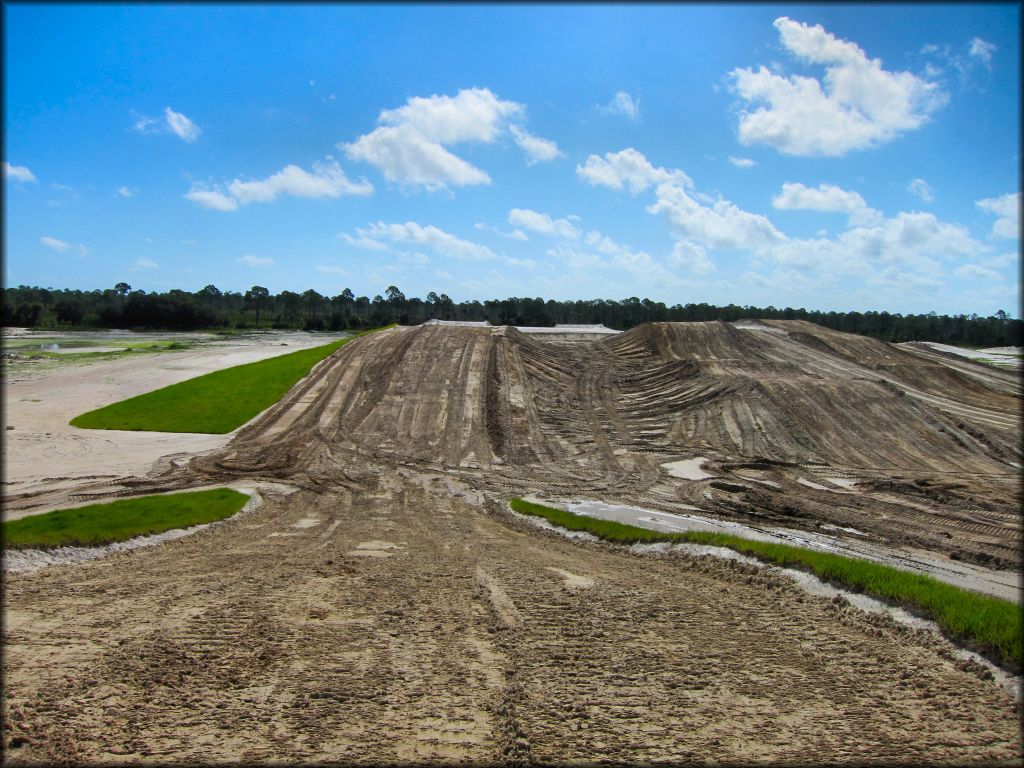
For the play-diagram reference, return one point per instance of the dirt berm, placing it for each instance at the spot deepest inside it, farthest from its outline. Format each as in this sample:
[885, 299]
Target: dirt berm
[382, 605]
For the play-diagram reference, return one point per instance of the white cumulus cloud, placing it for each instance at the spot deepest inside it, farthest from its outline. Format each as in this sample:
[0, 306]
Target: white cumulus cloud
[1007, 210]
[627, 168]
[856, 105]
[720, 224]
[410, 146]
[18, 173]
[256, 261]
[742, 162]
[125, 192]
[326, 180]
[828, 198]
[542, 223]
[210, 198]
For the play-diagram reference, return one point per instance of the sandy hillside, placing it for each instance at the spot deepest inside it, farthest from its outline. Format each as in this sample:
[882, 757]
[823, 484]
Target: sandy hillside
[390, 608]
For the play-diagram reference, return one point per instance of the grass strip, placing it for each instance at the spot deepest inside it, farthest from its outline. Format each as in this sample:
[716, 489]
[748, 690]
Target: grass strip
[988, 624]
[214, 403]
[121, 520]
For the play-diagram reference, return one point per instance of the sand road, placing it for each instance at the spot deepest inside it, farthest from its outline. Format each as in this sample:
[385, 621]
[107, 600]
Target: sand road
[391, 609]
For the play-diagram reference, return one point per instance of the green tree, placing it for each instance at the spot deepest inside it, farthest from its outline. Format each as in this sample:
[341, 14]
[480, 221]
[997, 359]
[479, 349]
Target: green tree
[256, 293]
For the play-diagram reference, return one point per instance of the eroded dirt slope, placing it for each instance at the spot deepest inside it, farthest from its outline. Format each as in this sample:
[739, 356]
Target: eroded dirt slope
[790, 416]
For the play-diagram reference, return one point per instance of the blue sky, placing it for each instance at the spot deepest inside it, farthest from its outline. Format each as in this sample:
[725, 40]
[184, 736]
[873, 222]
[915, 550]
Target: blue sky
[860, 157]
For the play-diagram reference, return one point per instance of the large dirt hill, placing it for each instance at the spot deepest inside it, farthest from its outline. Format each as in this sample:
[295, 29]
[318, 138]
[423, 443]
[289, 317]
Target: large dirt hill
[773, 406]
[381, 605]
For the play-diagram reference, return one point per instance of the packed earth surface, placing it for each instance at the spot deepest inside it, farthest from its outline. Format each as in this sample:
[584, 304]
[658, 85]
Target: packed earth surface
[379, 602]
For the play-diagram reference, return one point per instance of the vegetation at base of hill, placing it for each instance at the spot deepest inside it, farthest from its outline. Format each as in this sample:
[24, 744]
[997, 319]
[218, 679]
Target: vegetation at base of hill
[214, 403]
[120, 520]
[211, 308]
[988, 624]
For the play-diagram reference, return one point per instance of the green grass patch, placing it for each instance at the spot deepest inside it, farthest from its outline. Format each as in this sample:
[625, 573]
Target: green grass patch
[121, 520]
[988, 624]
[214, 403]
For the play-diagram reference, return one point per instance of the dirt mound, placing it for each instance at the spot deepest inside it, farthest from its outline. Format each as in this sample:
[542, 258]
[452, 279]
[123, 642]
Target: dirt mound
[517, 414]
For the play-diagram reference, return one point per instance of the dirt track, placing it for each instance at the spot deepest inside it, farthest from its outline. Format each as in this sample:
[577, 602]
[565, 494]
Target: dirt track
[390, 609]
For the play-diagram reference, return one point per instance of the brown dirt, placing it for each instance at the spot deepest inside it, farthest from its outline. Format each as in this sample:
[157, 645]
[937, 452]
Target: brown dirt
[391, 609]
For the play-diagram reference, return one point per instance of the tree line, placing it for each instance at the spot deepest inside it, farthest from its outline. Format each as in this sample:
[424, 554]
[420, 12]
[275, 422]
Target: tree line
[211, 308]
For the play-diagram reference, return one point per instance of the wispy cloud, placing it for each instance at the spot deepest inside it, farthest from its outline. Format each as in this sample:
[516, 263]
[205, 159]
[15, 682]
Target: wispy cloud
[145, 263]
[124, 192]
[542, 223]
[171, 122]
[537, 150]
[18, 173]
[256, 261]
[982, 50]
[919, 188]
[327, 180]
[411, 233]
[742, 162]
[62, 246]
[622, 104]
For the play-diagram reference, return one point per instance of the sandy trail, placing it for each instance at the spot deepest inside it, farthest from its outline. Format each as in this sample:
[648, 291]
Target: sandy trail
[464, 642]
[391, 609]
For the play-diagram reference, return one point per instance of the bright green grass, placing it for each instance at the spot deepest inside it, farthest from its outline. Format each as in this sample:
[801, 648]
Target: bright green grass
[988, 624]
[214, 403]
[121, 520]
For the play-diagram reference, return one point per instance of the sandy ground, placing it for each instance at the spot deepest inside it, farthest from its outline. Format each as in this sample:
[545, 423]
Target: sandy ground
[1009, 357]
[45, 459]
[382, 604]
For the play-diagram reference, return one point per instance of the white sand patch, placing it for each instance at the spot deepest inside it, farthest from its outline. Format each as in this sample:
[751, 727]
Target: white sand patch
[573, 580]
[373, 549]
[307, 522]
[1002, 356]
[854, 531]
[815, 486]
[753, 325]
[688, 469]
